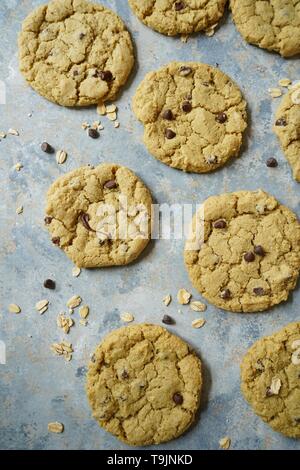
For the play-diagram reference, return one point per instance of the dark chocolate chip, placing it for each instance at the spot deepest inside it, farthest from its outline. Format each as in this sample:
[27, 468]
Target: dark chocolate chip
[112, 184]
[167, 320]
[93, 133]
[259, 291]
[56, 241]
[178, 398]
[185, 71]
[48, 220]
[272, 162]
[47, 148]
[106, 75]
[85, 221]
[170, 134]
[220, 224]
[179, 6]
[221, 118]
[49, 284]
[297, 420]
[187, 107]
[125, 374]
[249, 257]
[81, 35]
[168, 115]
[258, 250]
[75, 73]
[269, 393]
[281, 122]
[225, 294]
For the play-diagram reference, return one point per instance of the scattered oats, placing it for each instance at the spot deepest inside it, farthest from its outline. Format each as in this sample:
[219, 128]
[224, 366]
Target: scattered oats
[43, 310]
[296, 357]
[14, 308]
[199, 323]
[127, 317]
[76, 271]
[84, 311]
[184, 38]
[2, 135]
[83, 322]
[74, 301]
[19, 210]
[285, 82]
[167, 300]
[225, 443]
[101, 127]
[295, 97]
[56, 427]
[13, 132]
[197, 306]
[96, 125]
[112, 116]
[296, 344]
[62, 349]
[211, 30]
[295, 85]
[183, 296]
[275, 386]
[68, 357]
[85, 126]
[101, 109]
[61, 157]
[111, 108]
[117, 124]
[275, 92]
[65, 323]
[41, 305]
[18, 166]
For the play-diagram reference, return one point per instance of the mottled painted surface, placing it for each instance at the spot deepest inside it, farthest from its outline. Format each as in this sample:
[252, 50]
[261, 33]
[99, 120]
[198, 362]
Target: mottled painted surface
[35, 386]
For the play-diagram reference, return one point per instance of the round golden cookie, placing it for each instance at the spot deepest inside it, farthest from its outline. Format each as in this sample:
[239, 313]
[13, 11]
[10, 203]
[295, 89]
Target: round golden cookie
[99, 216]
[243, 254]
[193, 114]
[287, 128]
[75, 53]
[272, 25]
[270, 374]
[172, 17]
[144, 385]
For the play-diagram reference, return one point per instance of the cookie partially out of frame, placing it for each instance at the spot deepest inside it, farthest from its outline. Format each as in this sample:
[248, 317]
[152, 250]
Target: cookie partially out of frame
[75, 53]
[144, 385]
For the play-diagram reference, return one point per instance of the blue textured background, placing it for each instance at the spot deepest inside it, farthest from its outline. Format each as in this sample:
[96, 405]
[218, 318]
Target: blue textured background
[36, 387]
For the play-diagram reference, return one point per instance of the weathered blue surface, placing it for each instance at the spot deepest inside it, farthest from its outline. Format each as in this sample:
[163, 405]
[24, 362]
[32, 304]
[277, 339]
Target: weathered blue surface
[36, 387]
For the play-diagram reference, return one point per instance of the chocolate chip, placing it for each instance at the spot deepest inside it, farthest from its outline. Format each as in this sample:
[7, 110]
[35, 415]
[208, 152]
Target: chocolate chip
[179, 6]
[259, 291]
[168, 115]
[75, 73]
[48, 220]
[178, 398]
[56, 241]
[81, 35]
[93, 358]
[85, 221]
[167, 320]
[110, 184]
[297, 420]
[225, 294]
[220, 224]
[106, 75]
[187, 107]
[269, 393]
[49, 284]
[281, 122]
[47, 148]
[125, 374]
[93, 133]
[258, 250]
[170, 134]
[185, 71]
[221, 118]
[272, 162]
[249, 257]
[211, 159]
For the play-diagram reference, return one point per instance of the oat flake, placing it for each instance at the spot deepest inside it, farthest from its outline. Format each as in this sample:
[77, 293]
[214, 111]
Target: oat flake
[199, 323]
[183, 296]
[127, 317]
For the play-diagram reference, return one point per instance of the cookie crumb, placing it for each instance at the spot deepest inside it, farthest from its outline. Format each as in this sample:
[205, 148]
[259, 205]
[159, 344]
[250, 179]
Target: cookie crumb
[184, 38]
[183, 296]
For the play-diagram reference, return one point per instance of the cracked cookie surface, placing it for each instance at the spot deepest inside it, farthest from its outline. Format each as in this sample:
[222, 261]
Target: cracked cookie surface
[99, 216]
[244, 251]
[270, 374]
[193, 114]
[75, 53]
[171, 17]
[271, 24]
[287, 128]
[144, 384]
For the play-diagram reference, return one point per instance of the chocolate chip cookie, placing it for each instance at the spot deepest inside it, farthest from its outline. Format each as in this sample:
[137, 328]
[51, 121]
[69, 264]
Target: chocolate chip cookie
[99, 216]
[75, 53]
[172, 17]
[243, 254]
[270, 374]
[287, 128]
[144, 385]
[272, 25]
[193, 114]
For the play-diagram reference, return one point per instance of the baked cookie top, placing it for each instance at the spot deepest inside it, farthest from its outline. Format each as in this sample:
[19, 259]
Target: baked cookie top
[144, 384]
[173, 17]
[75, 53]
[244, 251]
[287, 128]
[194, 116]
[270, 374]
[271, 24]
[99, 216]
